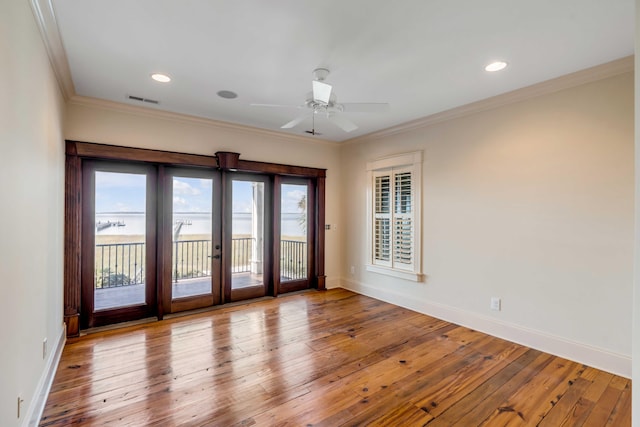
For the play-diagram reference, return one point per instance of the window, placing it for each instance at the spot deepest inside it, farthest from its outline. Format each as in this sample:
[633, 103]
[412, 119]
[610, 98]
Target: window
[394, 216]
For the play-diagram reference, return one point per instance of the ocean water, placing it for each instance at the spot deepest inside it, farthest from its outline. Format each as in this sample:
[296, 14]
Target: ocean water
[194, 223]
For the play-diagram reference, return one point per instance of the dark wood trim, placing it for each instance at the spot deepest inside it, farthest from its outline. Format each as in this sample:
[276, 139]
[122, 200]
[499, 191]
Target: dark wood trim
[163, 249]
[320, 234]
[293, 286]
[115, 152]
[309, 281]
[169, 303]
[192, 302]
[225, 244]
[72, 242]
[277, 207]
[88, 247]
[227, 160]
[89, 317]
[218, 221]
[232, 295]
[312, 232]
[78, 152]
[278, 169]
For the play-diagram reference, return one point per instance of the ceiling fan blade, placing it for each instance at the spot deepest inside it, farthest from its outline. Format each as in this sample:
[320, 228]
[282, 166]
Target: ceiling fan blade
[342, 122]
[295, 122]
[365, 107]
[321, 92]
[276, 106]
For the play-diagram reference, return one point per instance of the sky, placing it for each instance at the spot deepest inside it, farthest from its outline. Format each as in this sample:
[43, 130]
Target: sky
[125, 192]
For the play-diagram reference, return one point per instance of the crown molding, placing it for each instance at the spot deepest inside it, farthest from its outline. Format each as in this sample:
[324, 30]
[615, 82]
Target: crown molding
[46, 21]
[84, 101]
[47, 24]
[588, 75]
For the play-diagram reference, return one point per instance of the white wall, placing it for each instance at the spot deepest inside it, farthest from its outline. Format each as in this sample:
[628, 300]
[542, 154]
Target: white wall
[531, 202]
[117, 124]
[32, 213]
[635, 409]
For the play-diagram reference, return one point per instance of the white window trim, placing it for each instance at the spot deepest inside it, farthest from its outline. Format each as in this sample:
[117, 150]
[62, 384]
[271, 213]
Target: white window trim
[413, 161]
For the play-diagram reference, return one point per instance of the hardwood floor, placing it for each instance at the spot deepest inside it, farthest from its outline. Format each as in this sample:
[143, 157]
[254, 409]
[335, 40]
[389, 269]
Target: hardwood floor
[323, 359]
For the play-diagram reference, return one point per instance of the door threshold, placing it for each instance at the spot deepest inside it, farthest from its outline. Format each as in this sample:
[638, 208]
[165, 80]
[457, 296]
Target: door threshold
[113, 326]
[214, 307]
[120, 325]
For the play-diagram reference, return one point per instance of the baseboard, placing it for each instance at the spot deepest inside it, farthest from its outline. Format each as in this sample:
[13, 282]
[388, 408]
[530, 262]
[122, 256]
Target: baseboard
[333, 282]
[46, 379]
[599, 358]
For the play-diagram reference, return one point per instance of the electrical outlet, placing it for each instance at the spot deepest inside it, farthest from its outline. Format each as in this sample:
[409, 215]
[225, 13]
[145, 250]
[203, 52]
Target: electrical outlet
[44, 348]
[495, 304]
[353, 270]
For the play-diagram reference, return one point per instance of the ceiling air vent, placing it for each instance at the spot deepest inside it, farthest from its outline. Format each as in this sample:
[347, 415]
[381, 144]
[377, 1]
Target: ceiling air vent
[141, 99]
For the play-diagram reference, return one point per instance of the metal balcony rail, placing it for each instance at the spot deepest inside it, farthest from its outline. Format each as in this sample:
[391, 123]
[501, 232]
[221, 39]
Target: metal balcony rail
[293, 260]
[191, 259]
[241, 250]
[122, 264]
[119, 264]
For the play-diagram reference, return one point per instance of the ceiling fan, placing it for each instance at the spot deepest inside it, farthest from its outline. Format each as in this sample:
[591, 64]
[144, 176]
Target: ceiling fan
[322, 100]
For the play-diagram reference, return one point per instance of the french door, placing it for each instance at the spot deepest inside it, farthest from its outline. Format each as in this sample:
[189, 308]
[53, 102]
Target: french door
[294, 242]
[118, 241]
[248, 220]
[190, 251]
[157, 238]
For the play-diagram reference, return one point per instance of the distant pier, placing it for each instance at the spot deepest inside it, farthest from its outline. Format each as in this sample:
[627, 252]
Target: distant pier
[102, 225]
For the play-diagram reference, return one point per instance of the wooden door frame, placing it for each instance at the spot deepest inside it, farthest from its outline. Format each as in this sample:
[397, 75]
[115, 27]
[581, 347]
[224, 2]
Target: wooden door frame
[78, 152]
[170, 305]
[231, 295]
[308, 282]
[89, 317]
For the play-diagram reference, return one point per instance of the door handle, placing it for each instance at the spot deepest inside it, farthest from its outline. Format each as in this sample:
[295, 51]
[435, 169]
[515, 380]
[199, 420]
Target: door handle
[216, 257]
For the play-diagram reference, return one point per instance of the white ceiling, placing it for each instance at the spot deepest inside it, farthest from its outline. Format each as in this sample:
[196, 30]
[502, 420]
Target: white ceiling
[421, 56]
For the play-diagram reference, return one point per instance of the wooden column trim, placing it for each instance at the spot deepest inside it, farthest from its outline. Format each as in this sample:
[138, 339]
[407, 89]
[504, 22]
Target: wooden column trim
[228, 160]
[275, 262]
[320, 239]
[72, 240]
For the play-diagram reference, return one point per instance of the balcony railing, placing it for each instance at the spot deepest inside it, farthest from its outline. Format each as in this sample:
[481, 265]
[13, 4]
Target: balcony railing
[119, 264]
[123, 264]
[293, 260]
[241, 249]
[191, 259]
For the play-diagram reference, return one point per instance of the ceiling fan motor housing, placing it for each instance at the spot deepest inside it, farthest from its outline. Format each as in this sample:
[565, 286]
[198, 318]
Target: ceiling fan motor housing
[320, 74]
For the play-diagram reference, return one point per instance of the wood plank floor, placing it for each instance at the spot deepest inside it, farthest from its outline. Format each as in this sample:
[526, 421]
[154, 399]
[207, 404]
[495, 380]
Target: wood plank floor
[323, 359]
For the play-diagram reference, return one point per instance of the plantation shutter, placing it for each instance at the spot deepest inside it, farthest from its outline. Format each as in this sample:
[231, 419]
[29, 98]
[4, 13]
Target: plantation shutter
[382, 219]
[403, 220]
[393, 216]
[393, 228]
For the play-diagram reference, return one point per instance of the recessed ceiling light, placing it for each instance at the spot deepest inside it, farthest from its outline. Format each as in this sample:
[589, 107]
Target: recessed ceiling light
[162, 78]
[496, 66]
[227, 94]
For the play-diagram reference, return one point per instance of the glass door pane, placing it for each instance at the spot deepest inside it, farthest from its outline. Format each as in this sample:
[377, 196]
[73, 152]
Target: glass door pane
[248, 234]
[191, 250]
[294, 220]
[120, 237]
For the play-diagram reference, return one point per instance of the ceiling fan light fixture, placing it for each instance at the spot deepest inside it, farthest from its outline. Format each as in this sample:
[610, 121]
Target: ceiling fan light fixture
[162, 78]
[320, 74]
[321, 92]
[496, 66]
